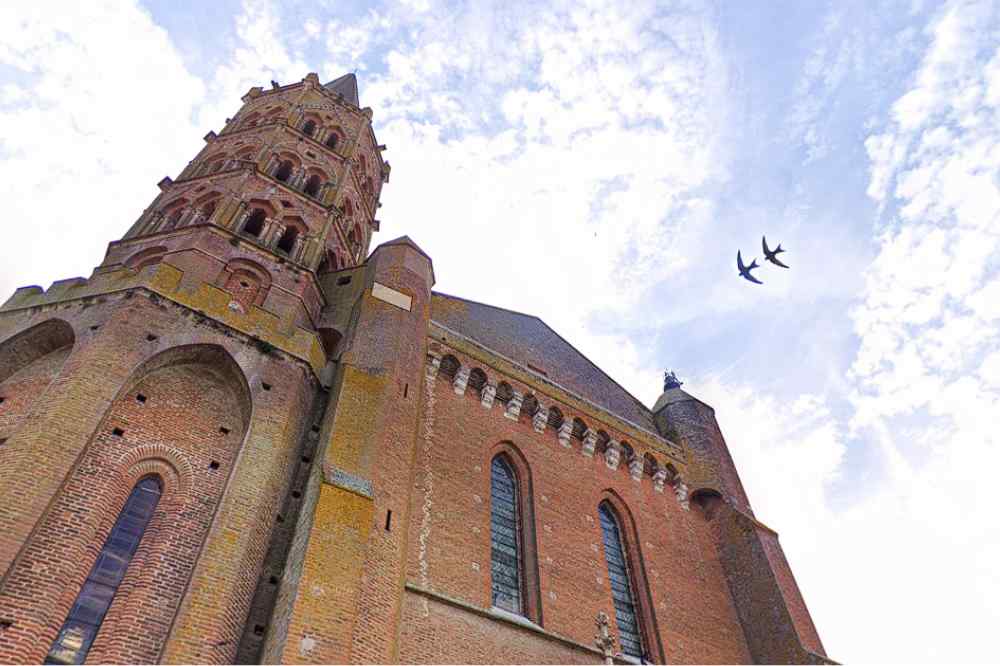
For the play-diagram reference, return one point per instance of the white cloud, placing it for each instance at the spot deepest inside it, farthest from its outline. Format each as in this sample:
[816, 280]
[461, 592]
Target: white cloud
[89, 132]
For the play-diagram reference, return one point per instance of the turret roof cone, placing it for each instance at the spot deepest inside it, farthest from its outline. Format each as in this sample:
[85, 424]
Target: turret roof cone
[347, 85]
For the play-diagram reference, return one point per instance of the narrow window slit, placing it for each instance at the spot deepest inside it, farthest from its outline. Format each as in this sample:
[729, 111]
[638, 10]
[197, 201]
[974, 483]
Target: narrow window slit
[214, 465]
[224, 430]
[265, 386]
[388, 520]
[296, 494]
[152, 338]
[117, 432]
[140, 398]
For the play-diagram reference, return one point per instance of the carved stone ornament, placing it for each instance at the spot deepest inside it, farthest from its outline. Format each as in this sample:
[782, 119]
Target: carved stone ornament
[489, 393]
[613, 454]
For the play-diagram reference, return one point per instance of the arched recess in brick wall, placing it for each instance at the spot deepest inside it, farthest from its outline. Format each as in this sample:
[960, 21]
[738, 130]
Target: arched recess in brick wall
[29, 362]
[182, 416]
[149, 256]
[515, 462]
[247, 281]
[630, 541]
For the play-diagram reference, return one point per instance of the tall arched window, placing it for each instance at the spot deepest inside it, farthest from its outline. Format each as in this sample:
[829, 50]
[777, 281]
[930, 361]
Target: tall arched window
[331, 141]
[622, 583]
[505, 528]
[78, 632]
[309, 127]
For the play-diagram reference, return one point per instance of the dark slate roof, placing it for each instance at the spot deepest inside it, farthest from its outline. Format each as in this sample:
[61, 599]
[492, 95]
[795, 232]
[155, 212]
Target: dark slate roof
[529, 340]
[347, 85]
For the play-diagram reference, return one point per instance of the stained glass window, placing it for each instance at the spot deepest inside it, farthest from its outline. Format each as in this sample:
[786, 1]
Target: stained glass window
[629, 636]
[505, 525]
[85, 617]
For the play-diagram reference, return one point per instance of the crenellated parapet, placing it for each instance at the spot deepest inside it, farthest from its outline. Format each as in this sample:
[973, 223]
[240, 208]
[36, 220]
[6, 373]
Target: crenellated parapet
[281, 334]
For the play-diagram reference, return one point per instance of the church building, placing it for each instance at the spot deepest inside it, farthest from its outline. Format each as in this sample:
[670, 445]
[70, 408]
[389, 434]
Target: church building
[250, 437]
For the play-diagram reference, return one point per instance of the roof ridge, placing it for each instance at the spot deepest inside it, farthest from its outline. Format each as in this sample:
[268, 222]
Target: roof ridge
[569, 344]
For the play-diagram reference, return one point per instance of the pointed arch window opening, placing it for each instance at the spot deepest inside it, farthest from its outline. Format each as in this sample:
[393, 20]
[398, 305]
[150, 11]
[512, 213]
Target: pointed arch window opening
[507, 575]
[622, 583]
[87, 613]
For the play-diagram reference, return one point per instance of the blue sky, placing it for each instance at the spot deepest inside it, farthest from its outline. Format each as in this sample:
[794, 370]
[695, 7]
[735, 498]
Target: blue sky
[599, 164]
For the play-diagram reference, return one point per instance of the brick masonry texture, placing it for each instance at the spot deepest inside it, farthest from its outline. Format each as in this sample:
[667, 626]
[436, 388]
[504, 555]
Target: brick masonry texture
[324, 445]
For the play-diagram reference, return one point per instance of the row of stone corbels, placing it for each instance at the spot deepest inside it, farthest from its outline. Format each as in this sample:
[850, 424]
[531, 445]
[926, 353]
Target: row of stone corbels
[512, 410]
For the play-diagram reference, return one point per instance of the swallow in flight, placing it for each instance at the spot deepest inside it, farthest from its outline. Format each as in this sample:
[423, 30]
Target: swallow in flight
[772, 256]
[745, 270]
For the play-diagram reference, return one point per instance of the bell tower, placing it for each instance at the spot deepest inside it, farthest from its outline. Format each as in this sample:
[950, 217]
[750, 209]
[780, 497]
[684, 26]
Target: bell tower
[292, 179]
[193, 365]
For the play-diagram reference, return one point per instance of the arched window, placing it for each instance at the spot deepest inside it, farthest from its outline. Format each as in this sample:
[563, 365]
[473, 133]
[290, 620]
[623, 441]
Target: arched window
[313, 185]
[309, 127]
[78, 632]
[284, 171]
[331, 141]
[287, 240]
[622, 583]
[506, 547]
[255, 223]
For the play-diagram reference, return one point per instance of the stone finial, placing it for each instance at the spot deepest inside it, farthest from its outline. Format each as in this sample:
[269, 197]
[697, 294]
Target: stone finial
[540, 418]
[489, 393]
[670, 380]
[613, 454]
[461, 380]
[681, 491]
[565, 432]
[635, 468]
[604, 640]
[659, 479]
[589, 442]
[433, 365]
[513, 410]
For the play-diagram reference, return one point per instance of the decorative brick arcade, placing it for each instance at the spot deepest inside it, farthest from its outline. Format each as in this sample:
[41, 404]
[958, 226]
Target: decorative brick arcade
[246, 439]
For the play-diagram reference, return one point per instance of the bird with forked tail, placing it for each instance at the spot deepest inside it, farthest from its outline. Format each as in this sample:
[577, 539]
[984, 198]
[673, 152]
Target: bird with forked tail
[772, 256]
[745, 270]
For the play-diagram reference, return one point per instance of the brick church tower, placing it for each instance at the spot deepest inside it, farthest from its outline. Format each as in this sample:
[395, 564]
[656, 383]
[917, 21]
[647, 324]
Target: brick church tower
[247, 439]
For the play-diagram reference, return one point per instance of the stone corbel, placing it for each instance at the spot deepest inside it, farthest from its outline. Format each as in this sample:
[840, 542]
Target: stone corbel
[659, 479]
[461, 380]
[635, 468]
[565, 432]
[540, 419]
[433, 365]
[613, 454]
[489, 393]
[681, 490]
[513, 410]
[589, 442]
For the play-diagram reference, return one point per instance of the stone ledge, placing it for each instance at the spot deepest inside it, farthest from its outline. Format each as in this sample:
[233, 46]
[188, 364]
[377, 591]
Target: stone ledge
[206, 299]
[346, 481]
[519, 623]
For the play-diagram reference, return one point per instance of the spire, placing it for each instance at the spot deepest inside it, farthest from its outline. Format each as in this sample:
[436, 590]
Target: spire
[347, 85]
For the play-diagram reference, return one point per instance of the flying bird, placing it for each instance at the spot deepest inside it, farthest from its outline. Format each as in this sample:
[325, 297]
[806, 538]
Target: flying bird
[772, 256]
[745, 270]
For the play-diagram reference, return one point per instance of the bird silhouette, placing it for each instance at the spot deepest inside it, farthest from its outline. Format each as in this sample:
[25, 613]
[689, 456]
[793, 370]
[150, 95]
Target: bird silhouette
[772, 256]
[745, 270]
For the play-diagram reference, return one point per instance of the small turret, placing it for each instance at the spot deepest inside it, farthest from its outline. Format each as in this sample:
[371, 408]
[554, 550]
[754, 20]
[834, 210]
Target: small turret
[679, 415]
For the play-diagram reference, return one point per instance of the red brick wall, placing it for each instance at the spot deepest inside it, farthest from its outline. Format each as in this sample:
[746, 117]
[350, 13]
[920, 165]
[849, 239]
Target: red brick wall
[450, 540]
[178, 427]
[20, 392]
